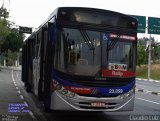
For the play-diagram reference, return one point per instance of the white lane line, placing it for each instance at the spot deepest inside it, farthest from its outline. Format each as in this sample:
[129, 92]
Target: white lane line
[151, 80]
[13, 77]
[148, 101]
[32, 115]
[141, 85]
[21, 96]
[17, 88]
[19, 91]
[26, 104]
[147, 91]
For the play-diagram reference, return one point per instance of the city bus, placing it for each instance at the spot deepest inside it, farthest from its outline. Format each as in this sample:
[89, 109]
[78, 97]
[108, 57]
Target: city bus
[82, 59]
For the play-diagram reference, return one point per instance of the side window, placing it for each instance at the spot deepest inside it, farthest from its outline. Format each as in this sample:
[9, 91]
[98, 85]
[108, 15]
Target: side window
[45, 33]
[33, 47]
[37, 44]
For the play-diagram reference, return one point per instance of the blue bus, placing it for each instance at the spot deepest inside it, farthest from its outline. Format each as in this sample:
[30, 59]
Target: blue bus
[82, 59]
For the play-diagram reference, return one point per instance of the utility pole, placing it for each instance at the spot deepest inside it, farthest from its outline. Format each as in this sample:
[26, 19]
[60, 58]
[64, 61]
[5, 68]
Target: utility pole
[149, 58]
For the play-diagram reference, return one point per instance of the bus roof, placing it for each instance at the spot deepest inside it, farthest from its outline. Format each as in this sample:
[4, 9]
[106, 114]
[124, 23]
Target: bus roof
[103, 11]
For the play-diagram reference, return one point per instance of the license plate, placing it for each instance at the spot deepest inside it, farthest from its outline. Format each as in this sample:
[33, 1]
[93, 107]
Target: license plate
[98, 104]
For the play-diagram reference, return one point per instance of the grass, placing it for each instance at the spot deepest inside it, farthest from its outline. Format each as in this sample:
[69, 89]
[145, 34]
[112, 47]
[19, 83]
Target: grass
[142, 72]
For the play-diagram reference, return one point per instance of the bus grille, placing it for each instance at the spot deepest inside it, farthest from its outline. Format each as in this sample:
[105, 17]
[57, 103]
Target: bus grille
[87, 105]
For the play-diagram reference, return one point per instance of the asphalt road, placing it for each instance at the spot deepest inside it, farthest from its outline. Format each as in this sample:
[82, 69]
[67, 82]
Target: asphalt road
[14, 97]
[147, 85]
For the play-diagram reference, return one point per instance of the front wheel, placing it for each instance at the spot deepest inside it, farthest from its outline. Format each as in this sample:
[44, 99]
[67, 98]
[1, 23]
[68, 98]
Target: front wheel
[45, 107]
[28, 88]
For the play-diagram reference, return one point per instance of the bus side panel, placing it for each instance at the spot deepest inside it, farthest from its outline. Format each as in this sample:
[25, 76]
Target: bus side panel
[48, 66]
[42, 63]
[24, 63]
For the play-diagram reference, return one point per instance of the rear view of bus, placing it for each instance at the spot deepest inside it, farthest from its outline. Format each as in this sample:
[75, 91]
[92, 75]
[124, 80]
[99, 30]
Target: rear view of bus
[92, 60]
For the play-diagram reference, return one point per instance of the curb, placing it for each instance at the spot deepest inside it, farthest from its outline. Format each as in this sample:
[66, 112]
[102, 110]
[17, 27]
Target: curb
[151, 80]
[11, 68]
[148, 91]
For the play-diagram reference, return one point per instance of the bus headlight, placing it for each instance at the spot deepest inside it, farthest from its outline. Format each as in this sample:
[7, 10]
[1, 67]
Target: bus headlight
[62, 90]
[58, 87]
[71, 94]
[127, 94]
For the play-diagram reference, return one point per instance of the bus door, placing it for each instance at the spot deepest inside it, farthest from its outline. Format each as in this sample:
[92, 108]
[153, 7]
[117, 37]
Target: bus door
[36, 63]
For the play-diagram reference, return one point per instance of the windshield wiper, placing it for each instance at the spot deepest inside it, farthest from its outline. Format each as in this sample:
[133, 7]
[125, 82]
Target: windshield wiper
[112, 43]
[87, 39]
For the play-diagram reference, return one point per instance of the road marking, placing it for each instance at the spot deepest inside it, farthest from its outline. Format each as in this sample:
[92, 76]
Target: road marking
[141, 85]
[147, 91]
[151, 80]
[32, 115]
[19, 91]
[13, 77]
[26, 104]
[21, 96]
[146, 83]
[148, 101]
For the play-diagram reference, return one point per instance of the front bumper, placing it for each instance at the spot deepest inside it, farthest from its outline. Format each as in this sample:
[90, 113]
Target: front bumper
[83, 103]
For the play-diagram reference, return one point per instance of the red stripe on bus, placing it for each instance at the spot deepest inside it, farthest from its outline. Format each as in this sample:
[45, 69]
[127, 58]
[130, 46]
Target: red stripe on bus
[79, 89]
[117, 73]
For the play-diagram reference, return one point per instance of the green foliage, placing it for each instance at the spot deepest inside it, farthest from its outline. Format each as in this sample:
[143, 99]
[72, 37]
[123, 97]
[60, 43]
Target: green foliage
[143, 51]
[11, 57]
[142, 72]
[141, 55]
[10, 38]
[155, 52]
[13, 41]
[3, 13]
[4, 31]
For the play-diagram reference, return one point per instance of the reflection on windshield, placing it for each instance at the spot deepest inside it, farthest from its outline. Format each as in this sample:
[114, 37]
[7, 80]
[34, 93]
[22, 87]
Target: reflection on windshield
[121, 53]
[78, 52]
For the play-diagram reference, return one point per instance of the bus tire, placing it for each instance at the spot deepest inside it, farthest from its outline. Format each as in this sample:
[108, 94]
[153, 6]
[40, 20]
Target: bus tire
[28, 88]
[46, 108]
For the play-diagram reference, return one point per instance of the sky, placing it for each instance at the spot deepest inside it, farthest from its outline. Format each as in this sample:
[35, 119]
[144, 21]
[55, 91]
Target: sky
[32, 13]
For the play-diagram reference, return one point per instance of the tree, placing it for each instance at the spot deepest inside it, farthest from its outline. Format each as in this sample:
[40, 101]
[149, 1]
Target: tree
[11, 57]
[4, 31]
[13, 41]
[4, 26]
[4, 14]
[141, 55]
[155, 49]
[10, 38]
[155, 52]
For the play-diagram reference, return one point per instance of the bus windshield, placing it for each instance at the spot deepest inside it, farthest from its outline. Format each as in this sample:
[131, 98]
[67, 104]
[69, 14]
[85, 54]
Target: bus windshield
[121, 53]
[85, 52]
[78, 52]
